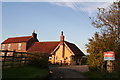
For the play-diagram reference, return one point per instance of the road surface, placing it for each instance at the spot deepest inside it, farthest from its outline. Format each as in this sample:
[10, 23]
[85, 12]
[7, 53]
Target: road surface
[64, 72]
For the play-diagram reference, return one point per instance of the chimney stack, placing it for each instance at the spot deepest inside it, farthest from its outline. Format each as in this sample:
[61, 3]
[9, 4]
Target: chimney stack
[34, 35]
[62, 44]
[62, 38]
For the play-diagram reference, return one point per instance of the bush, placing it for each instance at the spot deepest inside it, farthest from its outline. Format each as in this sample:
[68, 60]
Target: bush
[39, 60]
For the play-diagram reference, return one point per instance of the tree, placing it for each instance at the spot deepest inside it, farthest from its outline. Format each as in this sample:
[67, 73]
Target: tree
[96, 47]
[108, 21]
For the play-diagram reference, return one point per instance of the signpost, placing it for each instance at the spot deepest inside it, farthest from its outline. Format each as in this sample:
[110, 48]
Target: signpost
[109, 57]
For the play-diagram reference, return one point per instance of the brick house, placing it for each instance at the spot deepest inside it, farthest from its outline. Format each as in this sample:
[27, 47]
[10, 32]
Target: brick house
[19, 44]
[59, 51]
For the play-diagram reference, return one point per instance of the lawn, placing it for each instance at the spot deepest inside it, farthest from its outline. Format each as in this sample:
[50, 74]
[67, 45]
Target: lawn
[25, 72]
[95, 75]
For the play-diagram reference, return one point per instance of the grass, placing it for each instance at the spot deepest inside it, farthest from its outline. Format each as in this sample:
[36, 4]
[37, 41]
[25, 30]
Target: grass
[101, 75]
[25, 72]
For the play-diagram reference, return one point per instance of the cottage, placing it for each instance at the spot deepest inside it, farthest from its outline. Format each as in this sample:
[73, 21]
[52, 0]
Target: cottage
[62, 52]
[19, 44]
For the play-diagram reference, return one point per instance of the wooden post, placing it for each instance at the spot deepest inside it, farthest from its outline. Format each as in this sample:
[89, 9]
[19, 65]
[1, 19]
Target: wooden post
[109, 66]
[5, 55]
[29, 57]
[25, 58]
[21, 58]
[12, 63]
[4, 60]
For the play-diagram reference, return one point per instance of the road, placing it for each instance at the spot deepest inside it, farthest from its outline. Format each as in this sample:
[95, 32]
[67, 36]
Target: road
[64, 72]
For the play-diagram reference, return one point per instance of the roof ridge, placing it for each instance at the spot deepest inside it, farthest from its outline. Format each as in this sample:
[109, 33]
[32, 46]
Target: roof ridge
[72, 46]
[17, 39]
[20, 37]
[69, 42]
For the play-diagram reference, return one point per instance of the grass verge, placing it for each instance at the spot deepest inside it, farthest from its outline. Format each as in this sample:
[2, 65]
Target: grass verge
[95, 75]
[25, 72]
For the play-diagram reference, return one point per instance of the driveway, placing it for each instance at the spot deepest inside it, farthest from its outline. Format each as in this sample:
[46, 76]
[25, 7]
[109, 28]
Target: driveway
[65, 72]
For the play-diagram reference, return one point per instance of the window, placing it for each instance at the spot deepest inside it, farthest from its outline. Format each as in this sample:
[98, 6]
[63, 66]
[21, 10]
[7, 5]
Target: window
[73, 58]
[56, 57]
[66, 57]
[19, 46]
[3, 54]
[8, 54]
[50, 58]
[3, 46]
[9, 46]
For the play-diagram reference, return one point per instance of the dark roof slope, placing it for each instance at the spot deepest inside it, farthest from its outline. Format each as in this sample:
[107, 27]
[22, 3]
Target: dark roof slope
[43, 47]
[17, 39]
[75, 49]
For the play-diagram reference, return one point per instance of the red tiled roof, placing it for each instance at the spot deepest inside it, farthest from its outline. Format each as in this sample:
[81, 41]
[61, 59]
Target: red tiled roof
[43, 47]
[48, 47]
[74, 49]
[17, 39]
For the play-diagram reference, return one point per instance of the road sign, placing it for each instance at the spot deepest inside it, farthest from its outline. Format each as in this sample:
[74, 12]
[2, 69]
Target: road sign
[109, 55]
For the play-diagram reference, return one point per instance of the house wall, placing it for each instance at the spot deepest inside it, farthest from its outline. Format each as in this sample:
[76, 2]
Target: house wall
[31, 42]
[14, 46]
[58, 57]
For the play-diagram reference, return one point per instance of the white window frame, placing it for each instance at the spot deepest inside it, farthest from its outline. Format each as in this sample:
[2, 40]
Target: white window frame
[19, 46]
[50, 57]
[9, 45]
[3, 46]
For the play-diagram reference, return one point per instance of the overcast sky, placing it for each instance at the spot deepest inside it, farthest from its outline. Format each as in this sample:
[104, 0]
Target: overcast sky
[49, 19]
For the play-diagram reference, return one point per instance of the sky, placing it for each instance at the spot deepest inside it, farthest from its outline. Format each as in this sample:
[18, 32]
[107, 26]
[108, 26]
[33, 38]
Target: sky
[48, 19]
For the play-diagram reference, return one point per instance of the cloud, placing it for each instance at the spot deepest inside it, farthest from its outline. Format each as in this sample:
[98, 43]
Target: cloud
[88, 7]
[91, 8]
[58, 0]
[65, 4]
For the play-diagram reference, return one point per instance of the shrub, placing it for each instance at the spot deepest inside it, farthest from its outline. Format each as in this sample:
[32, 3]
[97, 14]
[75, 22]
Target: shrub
[39, 60]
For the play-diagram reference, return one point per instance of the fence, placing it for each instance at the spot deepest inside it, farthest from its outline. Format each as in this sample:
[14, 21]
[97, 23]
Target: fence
[14, 60]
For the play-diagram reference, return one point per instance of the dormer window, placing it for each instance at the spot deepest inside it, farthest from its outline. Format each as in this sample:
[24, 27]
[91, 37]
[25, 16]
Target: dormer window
[3, 46]
[9, 46]
[19, 46]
